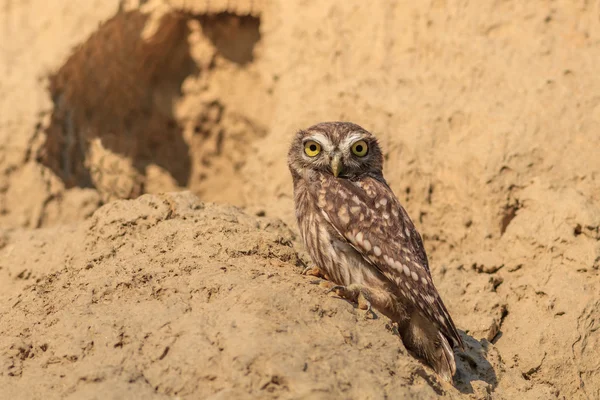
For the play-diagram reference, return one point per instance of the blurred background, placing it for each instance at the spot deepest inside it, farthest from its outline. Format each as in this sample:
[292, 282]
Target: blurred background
[488, 112]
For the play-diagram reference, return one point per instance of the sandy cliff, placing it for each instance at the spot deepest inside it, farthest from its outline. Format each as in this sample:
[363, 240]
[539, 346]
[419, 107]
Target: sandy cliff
[489, 116]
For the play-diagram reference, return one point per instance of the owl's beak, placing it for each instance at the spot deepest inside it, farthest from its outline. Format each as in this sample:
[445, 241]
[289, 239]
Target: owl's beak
[336, 166]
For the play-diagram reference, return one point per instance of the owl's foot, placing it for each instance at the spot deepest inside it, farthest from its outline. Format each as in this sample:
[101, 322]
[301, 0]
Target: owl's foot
[323, 280]
[314, 271]
[356, 294]
[324, 284]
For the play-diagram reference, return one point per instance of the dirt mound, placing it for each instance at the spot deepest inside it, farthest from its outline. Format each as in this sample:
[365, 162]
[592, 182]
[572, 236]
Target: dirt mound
[488, 116]
[168, 296]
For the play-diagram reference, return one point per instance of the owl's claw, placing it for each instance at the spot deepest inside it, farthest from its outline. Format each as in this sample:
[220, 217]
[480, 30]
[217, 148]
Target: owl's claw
[323, 283]
[355, 294]
[335, 289]
[369, 313]
[316, 272]
[313, 271]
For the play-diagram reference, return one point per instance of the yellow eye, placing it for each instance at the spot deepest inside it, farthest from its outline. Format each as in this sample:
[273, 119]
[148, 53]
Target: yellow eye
[312, 148]
[360, 148]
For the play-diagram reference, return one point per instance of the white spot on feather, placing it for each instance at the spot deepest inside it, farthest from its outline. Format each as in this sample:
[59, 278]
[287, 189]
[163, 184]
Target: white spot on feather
[406, 270]
[367, 245]
[350, 237]
[416, 264]
[390, 261]
[398, 265]
[343, 214]
[359, 238]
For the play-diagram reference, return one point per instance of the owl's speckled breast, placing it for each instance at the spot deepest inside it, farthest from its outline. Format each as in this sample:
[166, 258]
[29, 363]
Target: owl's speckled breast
[333, 254]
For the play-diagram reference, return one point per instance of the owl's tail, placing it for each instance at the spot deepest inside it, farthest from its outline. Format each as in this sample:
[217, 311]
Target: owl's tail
[421, 337]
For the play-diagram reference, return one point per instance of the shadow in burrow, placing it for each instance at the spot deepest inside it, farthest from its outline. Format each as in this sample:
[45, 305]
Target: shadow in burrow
[121, 89]
[117, 93]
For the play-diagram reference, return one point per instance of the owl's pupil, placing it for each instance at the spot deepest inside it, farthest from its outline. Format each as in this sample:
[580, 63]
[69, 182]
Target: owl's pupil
[359, 148]
[313, 147]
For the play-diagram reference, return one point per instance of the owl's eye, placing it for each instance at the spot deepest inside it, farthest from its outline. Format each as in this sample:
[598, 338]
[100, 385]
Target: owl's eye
[360, 148]
[312, 148]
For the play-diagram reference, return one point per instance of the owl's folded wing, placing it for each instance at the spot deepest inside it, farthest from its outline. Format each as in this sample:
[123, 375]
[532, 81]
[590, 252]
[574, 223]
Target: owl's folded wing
[368, 215]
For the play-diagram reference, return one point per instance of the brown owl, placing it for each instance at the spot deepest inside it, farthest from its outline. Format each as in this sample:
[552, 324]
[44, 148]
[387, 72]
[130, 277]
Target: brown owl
[361, 238]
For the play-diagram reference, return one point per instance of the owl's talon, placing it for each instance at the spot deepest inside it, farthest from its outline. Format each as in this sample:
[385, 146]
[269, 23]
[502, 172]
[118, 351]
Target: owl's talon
[349, 293]
[325, 284]
[365, 304]
[313, 271]
[335, 289]
[356, 294]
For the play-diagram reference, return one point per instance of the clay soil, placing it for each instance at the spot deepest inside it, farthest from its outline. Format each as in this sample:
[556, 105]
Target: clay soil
[148, 247]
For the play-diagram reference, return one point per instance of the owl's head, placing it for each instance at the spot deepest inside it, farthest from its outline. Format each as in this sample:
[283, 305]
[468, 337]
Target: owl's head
[342, 149]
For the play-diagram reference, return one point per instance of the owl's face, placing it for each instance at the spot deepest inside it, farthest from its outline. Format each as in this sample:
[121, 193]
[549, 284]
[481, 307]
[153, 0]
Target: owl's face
[342, 149]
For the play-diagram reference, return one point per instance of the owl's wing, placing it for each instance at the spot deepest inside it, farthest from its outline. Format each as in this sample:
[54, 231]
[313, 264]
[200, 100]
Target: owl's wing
[368, 215]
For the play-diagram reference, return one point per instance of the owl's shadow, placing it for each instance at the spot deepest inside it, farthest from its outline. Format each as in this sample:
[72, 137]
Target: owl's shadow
[474, 365]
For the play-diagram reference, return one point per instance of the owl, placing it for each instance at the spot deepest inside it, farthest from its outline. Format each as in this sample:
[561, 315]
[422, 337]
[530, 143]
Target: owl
[360, 237]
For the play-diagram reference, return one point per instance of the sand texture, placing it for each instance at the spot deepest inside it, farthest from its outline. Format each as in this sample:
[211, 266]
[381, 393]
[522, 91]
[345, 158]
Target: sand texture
[148, 247]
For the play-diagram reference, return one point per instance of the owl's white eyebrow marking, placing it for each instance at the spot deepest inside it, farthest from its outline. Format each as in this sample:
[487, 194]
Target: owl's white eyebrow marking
[350, 139]
[321, 139]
